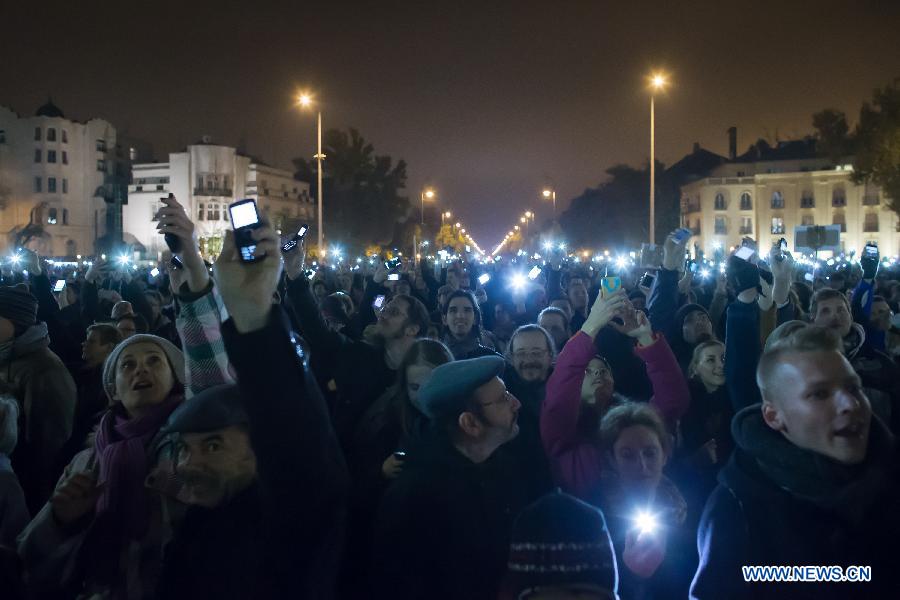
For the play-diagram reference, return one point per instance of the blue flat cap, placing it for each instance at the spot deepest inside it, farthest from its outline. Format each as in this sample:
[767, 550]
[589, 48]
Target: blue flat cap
[212, 409]
[445, 392]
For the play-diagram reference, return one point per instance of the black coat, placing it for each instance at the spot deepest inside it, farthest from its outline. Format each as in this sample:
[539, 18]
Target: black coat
[752, 520]
[443, 528]
[281, 537]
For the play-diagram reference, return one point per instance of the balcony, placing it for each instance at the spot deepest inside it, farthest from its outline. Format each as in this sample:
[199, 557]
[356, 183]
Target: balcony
[207, 191]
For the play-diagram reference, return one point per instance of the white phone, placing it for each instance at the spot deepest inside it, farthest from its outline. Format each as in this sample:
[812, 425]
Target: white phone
[745, 253]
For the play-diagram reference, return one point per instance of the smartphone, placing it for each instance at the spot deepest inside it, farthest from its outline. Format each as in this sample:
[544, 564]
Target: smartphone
[651, 256]
[534, 272]
[610, 285]
[682, 235]
[468, 250]
[295, 239]
[59, 285]
[394, 277]
[745, 253]
[393, 263]
[484, 278]
[870, 251]
[176, 263]
[647, 280]
[378, 302]
[154, 272]
[172, 240]
[691, 266]
[400, 455]
[244, 219]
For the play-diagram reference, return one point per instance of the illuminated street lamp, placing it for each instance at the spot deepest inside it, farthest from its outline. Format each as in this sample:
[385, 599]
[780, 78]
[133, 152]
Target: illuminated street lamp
[305, 100]
[550, 194]
[658, 82]
[445, 215]
[426, 193]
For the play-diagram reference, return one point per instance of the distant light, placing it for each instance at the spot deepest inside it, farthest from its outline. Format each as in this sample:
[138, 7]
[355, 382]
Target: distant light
[621, 262]
[154, 272]
[123, 259]
[548, 245]
[562, 246]
[518, 281]
[645, 522]
[704, 273]
[304, 100]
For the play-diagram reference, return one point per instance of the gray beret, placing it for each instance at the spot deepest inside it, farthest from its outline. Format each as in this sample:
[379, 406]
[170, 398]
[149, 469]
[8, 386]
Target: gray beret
[214, 408]
[450, 385]
[175, 356]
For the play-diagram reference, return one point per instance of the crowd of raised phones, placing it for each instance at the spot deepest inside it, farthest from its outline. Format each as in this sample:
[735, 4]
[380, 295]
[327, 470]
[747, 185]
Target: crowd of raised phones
[257, 430]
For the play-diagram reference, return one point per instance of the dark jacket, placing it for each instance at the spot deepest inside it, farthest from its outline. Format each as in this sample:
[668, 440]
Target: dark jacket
[667, 316]
[443, 528]
[879, 374]
[470, 347]
[777, 504]
[279, 538]
[357, 367]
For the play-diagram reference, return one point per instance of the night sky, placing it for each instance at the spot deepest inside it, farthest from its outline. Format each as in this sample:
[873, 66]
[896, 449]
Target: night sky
[485, 100]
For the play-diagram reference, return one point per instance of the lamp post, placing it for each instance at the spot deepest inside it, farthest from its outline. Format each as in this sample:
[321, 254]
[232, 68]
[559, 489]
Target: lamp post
[551, 194]
[444, 216]
[426, 193]
[305, 101]
[657, 83]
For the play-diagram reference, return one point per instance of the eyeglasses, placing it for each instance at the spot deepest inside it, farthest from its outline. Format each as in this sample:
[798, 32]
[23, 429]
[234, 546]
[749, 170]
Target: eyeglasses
[535, 354]
[596, 372]
[507, 398]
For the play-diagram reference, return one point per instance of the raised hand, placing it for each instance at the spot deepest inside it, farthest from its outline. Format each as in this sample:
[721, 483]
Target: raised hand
[644, 552]
[173, 219]
[75, 497]
[673, 253]
[635, 325]
[247, 288]
[603, 311]
[294, 260]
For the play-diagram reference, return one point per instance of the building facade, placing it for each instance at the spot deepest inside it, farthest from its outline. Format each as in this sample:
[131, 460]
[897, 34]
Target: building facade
[53, 173]
[205, 179]
[768, 192]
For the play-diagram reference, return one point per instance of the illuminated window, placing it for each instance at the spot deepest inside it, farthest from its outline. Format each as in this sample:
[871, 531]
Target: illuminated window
[51, 216]
[777, 225]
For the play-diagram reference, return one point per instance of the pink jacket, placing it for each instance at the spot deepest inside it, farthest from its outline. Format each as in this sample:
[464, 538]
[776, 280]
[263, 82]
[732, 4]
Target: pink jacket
[576, 461]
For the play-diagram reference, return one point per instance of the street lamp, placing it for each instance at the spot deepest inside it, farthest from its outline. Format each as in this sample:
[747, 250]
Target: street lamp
[551, 194]
[305, 100]
[445, 215]
[658, 81]
[426, 193]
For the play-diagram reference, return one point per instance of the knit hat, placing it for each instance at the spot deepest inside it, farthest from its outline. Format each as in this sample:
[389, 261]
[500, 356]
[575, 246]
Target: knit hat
[175, 356]
[682, 314]
[560, 540]
[19, 307]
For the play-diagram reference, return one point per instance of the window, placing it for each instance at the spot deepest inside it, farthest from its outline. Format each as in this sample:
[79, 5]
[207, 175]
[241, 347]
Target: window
[870, 195]
[139, 188]
[807, 220]
[807, 199]
[51, 134]
[65, 157]
[746, 201]
[777, 225]
[721, 226]
[840, 219]
[51, 216]
[37, 156]
[37, 185]
[838, 196]
[213, 213]
[199, 212]
[132, 153]
[101, 165]
[51, 156]
[65, 186]
[37, 134]
[159, 188]
[720, 201]
[65, 137]
[101, 145]
[777, 199]
[51, 185]
[747, 225]
[740, 173]
[870, 225]
[65, 216]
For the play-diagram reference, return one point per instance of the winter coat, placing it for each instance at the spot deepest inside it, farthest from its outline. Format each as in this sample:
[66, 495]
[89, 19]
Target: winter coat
[880, 376]
[443, 528]
[281, 537]
[13, 512]
[46, 395]
[576, 459]
[471, 347]
[780, 505]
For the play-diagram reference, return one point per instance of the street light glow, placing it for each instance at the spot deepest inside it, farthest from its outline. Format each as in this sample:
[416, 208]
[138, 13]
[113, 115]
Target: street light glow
[304, 100]
[658, 81]
[429, 193]
[547, 193]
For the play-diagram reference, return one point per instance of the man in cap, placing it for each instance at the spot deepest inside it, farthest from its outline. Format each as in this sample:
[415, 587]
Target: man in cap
[259, 461]
[43, 388]
[443, 528]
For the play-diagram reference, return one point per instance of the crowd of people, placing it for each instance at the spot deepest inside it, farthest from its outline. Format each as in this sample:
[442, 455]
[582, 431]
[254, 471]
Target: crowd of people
[432, 430]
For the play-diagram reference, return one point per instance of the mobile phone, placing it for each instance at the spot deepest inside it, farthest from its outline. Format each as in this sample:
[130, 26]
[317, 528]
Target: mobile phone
[782, 248]
[484, 278]
[647, 280]
[400, 455]
[745, 253]
[244, 219]
[681, 235]
[59, 285]
[870, 251]
[651, 256]
[468, 249]
[534, 272]
[808, 277]
[691, 266]
[172, 240]
[176, 263]
[393, 263]
[394, 277]
[378, 302]
[610, 285]
[295, 239]
[154, 272]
